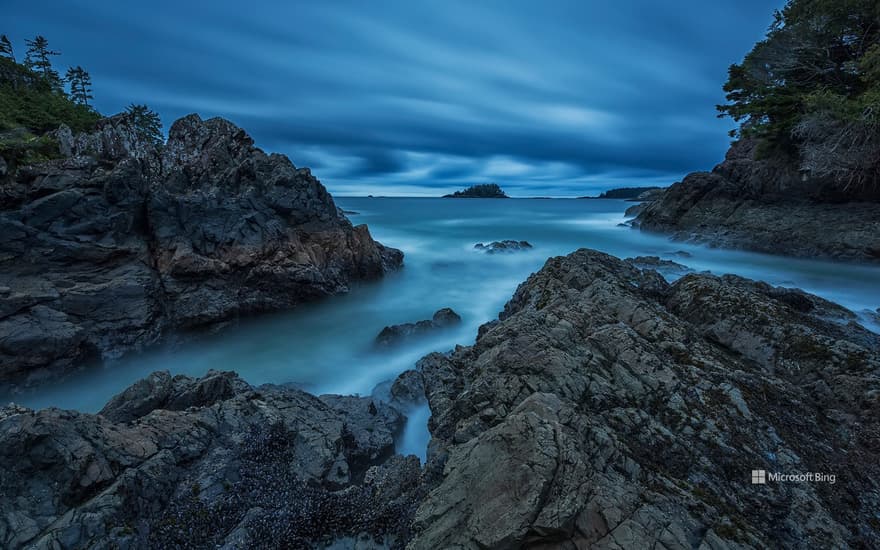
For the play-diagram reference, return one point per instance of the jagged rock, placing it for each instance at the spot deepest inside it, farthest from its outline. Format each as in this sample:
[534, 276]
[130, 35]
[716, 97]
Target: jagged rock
[605, 408]
[667, 268]
[224, 469]
[408, 389]
[609, 409]
[503, 246]
[749, 203]
[107, 250]
[635, 210]
[394, 334]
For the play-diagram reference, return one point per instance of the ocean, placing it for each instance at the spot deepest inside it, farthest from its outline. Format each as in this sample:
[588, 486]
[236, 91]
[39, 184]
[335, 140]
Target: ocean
[328, 347]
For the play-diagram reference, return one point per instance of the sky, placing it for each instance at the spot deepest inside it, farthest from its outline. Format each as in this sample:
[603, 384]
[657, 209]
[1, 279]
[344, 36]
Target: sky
[552, 98]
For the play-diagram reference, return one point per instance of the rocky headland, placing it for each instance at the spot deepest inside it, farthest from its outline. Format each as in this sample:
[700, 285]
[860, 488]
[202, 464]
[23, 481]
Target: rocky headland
[604, 408]
[766, 205]
[120, 241]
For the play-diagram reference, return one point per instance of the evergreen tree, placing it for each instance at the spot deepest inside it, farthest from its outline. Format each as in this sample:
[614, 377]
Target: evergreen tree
[80, 85]
[146, 122]
[37, 59]
[6, 47]
[810, 91]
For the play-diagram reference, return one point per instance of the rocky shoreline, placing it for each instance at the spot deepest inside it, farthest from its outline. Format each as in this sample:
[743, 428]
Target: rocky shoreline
[605, 408]
[120, 242]
[764, 206]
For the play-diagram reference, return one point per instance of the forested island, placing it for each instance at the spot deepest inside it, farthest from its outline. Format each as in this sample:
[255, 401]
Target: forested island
[483, 191]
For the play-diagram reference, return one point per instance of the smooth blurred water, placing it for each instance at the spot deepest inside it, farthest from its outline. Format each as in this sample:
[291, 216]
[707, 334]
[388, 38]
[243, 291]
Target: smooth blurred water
[328, 347]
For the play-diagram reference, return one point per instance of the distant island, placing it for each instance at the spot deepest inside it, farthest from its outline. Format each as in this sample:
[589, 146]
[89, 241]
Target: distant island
[484, 191]
[628, 193]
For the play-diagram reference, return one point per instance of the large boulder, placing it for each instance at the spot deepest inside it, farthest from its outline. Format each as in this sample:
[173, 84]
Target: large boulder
[609, 409]
[396, 334]
[106, 250]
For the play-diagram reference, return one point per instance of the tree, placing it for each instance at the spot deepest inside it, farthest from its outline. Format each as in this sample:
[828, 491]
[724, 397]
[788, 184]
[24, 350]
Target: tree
[6, 47]
[37, 59]
[146, 122]
[80, 85]
[810, 91]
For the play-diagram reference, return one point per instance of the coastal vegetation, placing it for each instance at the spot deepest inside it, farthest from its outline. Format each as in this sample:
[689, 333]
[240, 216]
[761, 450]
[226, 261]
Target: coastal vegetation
[484, 191]
[810, 91]
[36, 99]
[627, 193]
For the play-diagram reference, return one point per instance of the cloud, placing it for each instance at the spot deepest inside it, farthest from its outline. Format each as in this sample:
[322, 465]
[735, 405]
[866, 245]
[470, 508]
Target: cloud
[385, 96]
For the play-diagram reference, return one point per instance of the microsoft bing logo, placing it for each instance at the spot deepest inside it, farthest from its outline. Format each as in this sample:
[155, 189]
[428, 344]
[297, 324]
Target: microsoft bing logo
[759, 477]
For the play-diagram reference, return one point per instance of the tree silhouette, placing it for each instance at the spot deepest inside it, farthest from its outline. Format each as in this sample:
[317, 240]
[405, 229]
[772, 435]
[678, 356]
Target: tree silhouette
[146, 122]
[6, 48]
[80, 85]
[37, 59]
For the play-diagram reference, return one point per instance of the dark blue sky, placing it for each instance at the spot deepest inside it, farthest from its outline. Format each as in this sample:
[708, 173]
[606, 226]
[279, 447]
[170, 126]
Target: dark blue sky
[545, 98]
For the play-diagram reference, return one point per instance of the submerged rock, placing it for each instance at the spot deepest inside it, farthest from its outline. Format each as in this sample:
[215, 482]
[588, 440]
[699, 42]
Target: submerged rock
[123, 241]
[503, 246]
[394, 334]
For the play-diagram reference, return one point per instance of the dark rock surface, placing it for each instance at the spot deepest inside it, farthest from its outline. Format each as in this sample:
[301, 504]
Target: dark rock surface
[178, 462]
[605, 408]
[635, 210]
[503, 246]
[762, 206]
[408, 389]
[609, 409]
[667, 268]
[395, 334]
[106, 250]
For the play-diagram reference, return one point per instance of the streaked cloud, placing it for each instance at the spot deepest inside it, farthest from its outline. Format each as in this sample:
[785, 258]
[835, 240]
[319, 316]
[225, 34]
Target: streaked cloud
[384, 97]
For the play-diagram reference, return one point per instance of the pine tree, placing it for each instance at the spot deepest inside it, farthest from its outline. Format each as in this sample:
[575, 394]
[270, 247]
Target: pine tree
[80, 85]
[146, 122]
[38, 60]
[6, 48]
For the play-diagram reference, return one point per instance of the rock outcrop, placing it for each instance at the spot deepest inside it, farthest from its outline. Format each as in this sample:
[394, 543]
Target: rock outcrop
[767, 207]
[609, 409]
[122, 241]
[667, 268]
[605, 408]
[395, 334]
[210, 463]
[496, 247]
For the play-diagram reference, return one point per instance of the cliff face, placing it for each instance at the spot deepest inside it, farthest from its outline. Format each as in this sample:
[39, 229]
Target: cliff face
[121, 241]
[605, 408]
[766, 206]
